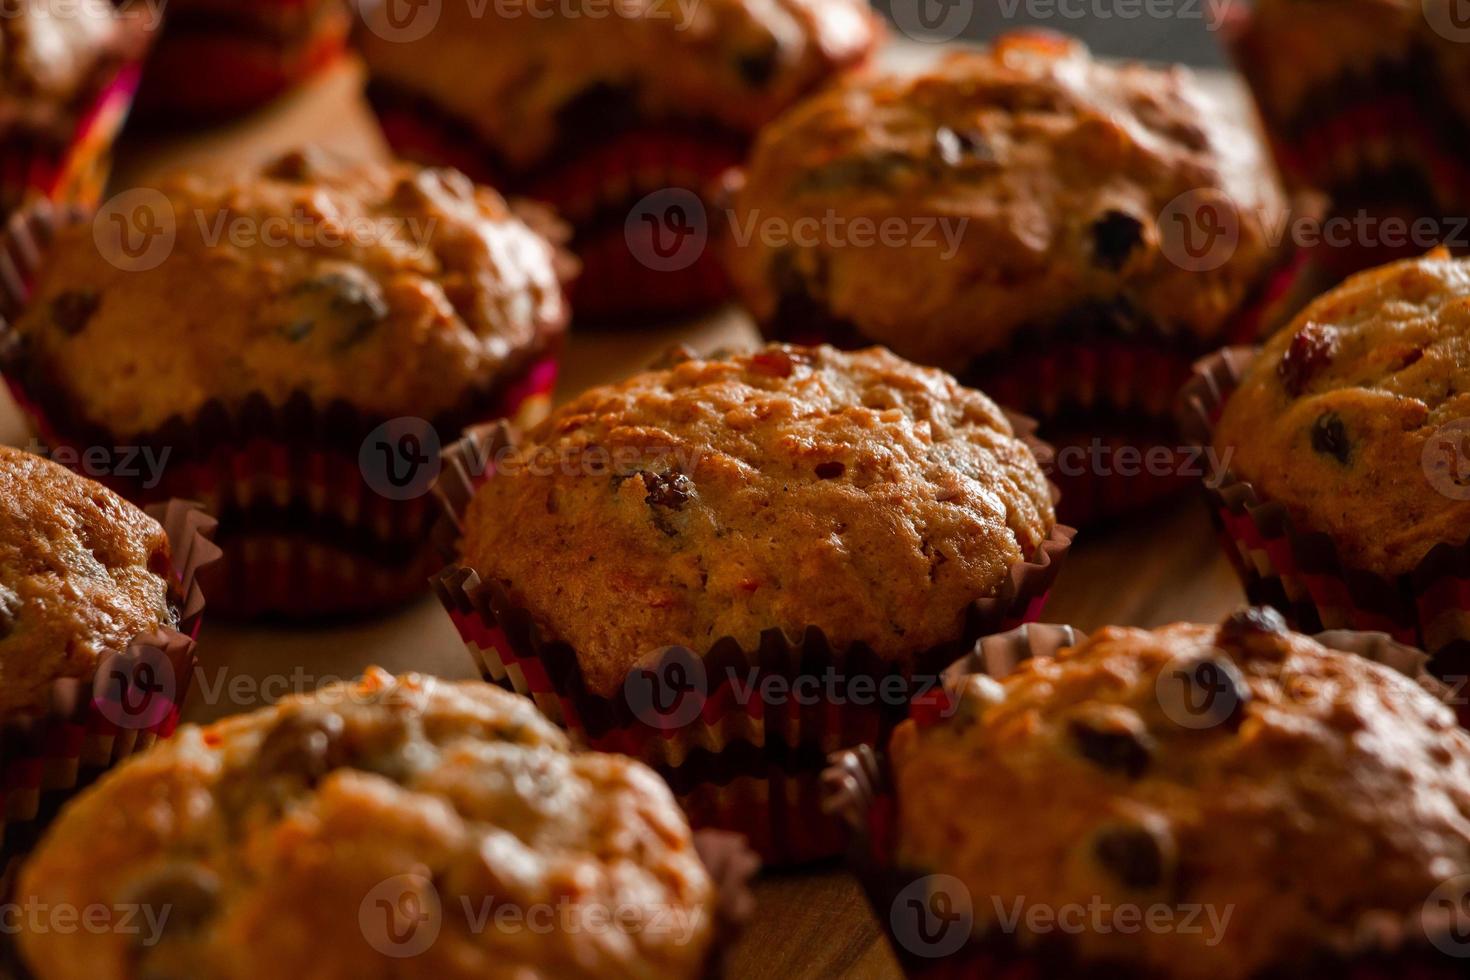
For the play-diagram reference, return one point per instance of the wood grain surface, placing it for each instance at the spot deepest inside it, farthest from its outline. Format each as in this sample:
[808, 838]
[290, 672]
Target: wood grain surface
[814, 923]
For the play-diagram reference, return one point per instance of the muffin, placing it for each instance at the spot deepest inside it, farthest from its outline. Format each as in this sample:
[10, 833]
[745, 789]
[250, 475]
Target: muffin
[290, 344]
[1223, 802]
[1365, 100]
[220, 58]
[1066, 234]
[621, 118]
[1347, 501]
[98, 606]
[68, 73]
[373, 827]
[730, 567]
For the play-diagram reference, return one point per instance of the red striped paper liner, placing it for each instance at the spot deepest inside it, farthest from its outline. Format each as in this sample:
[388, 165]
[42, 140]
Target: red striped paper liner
[735, 762]
[858, 790]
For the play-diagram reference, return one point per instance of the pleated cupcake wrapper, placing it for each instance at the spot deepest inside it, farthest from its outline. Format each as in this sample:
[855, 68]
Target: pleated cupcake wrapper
[306, 534]
[925, 920]
[74, 168]
[737, 761]
[596, 188]
[133, 698]
[1297, 570]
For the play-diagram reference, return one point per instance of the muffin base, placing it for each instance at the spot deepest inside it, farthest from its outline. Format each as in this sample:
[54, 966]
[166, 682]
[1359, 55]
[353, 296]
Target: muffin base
[304, 532]
[735, 761]
[601, 183]
[857, 790]
[1297, 570]
[131, 700]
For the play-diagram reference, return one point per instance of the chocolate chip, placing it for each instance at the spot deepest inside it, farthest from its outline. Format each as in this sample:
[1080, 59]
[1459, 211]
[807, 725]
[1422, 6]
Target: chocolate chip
[758, 68]
[1204, 692]
[72, 310]
[1136, 856]
[10, 606]
[1330, 438]
[1115, 236]
[671, 490]
[1113, 740]
[188, 892]
[304, 745]
[830, 471]
[1310, 352]
[350, 305]
[1251, 621]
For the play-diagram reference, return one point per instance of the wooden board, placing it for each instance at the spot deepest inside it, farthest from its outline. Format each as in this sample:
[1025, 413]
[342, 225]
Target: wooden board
[809, 924]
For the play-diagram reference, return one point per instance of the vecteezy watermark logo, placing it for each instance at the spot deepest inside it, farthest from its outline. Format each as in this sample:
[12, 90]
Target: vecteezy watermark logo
[1449, 18]
[401, 917]
[136, 689]
[136, 230]
[1201, 692]
[400, 458]
[669, 690]
[933, 21]
[1446, 459]
[402, 21]
[667, 231]
[1446, 917]
[1199, 230]
[933, 917]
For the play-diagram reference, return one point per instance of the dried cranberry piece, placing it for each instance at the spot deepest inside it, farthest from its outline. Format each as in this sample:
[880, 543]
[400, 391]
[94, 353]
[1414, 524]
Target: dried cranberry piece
[1311, 351]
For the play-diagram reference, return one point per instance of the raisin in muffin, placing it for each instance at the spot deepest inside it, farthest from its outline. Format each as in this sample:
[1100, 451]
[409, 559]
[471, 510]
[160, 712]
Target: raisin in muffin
[1339, 417]
[1065, 233]
[366, 829]
[1308, 804]
[591, 111]
[82, 574]
[1368, 100]
[286, 314]
[730, 567]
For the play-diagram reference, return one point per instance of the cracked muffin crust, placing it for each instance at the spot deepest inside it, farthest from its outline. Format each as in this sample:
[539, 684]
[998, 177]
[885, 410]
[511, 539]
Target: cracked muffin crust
[1035, 186]
[786, 488]
[1319, 764]
[270, 834]
[1339, 417]
[398, 290]
[527, 84]
[82, 574]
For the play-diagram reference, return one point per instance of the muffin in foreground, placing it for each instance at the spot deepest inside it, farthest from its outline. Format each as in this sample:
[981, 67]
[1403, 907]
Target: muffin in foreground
[621, 117]
[371, 825]
[97, 609]
[732, 566]
[289, 349]
[219, 58]
[1347, 502]
[68, 73]
[1228, 802]
[1366, 100]
[1067, 234]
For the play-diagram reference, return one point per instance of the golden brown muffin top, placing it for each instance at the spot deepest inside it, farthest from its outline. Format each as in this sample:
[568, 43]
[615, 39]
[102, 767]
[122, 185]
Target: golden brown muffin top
[1330, 792]
[283, 840]
[512, 69]
[81, 576]
[49, 52]
[1028, 182]
[396, 289]
[1350, 414]
[787, 488]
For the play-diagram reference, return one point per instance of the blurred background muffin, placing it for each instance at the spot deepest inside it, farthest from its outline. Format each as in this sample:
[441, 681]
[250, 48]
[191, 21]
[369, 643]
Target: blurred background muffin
[293, 345]
[1064, 233]
[1346, 438]
[220, 58]
[1368, 101]
[595, 110]
[370, 825]
[845, 523]
[1232, 801]
[68, 73]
